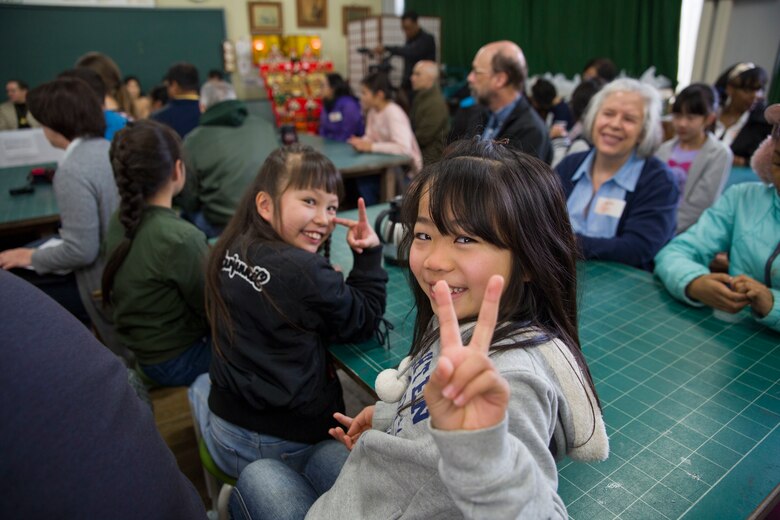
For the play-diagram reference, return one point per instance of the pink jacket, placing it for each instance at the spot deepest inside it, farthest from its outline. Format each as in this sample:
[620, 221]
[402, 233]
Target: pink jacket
[391, 132]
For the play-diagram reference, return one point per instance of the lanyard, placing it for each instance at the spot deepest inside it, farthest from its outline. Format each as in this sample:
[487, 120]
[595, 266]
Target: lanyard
[768, 266]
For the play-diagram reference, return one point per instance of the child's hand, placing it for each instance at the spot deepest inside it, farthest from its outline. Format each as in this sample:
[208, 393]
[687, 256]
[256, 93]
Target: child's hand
[19, 257]
[760, 297]
[715, 291]
[360, 144]
[355, 427]
[465, 391]
[360, 235]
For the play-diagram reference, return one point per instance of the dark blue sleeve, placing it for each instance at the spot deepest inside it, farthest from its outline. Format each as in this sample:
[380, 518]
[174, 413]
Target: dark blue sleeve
[352, 120]
[77, 442]
[647, 224]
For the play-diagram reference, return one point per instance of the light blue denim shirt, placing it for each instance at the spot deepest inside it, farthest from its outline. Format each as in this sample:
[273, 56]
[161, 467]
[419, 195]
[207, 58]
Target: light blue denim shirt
[496, 120]
[602, 219]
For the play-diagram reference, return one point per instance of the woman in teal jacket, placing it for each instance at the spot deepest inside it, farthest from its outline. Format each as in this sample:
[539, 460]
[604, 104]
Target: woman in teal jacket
[745, 221]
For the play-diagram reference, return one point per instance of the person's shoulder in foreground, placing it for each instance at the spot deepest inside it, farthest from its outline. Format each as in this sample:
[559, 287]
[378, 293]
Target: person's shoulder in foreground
[77, 442]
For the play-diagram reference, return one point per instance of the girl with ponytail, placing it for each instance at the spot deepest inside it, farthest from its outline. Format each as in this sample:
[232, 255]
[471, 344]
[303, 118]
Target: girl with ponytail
[154, 275]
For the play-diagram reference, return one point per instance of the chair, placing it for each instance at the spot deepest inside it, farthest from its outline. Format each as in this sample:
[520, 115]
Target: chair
[219, 485]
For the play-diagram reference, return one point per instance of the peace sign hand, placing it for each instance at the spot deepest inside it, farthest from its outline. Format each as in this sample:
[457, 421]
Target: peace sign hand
[360, 234]
[465, 391]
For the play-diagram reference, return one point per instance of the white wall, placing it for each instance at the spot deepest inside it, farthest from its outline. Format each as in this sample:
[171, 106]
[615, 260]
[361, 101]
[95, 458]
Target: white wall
[334, 43]
[737, 30]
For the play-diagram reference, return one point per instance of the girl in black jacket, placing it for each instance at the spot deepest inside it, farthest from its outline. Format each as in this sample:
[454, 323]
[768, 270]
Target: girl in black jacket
[274, 305]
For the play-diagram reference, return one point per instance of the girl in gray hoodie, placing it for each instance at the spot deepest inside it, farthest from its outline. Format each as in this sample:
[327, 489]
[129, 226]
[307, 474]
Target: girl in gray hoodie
[465, 431]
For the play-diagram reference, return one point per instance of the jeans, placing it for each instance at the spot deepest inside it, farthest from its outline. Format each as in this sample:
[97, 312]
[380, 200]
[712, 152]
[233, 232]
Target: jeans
[184, 368]
[268, 489]
[200, 221]
[369, 188]
[233, 448]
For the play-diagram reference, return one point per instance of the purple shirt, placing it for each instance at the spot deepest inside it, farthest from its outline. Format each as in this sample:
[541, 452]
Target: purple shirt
[343, 120]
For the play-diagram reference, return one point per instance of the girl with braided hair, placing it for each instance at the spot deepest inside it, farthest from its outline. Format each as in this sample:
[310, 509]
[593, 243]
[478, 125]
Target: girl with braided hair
[275, 305]
[154, 274]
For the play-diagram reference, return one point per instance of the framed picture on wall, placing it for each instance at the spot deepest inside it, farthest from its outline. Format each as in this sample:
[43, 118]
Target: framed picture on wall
[312, 13]
[265, 17]
[353, 12]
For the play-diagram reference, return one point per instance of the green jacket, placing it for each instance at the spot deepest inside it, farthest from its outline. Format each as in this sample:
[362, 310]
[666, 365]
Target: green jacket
[158, 300]
[224, 155]
[430, 119]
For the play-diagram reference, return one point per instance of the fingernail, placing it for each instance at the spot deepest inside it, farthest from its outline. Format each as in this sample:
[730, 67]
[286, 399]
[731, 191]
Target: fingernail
[460, 400]
[448, 392]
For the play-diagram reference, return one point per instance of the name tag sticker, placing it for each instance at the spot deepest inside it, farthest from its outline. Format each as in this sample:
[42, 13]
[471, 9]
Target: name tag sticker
[610, 207]
[335, 117]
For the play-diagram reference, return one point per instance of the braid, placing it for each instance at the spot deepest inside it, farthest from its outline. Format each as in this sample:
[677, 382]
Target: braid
[132, 202]
[142, 156]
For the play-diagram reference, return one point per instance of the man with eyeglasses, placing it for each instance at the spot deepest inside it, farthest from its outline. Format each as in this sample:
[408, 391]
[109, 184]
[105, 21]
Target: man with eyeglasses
[502, 112]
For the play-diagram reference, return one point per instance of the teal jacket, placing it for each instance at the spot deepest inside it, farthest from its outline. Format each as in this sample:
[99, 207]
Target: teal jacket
[224, 155]
[745, 221]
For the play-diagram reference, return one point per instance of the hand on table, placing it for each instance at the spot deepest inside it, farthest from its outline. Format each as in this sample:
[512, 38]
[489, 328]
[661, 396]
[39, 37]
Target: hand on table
[759, 296]
[19, 257]
[355, 427]
[714, 290]
[465, 391]
[379, 49]
[361, 144]
[360, 234]
[558, 131]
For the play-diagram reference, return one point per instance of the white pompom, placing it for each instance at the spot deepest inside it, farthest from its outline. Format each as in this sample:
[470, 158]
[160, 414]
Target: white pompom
[389, 387]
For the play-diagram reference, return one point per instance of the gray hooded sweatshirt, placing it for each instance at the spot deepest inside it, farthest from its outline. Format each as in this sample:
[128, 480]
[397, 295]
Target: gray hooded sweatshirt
[404, 468]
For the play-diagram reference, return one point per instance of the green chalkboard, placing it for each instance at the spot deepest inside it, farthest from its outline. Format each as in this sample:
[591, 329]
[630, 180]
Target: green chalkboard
[38, 42]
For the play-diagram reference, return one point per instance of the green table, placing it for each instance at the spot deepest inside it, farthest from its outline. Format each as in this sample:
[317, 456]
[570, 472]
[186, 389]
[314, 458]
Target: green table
[691, 403]
[33, 211]
[352, 163]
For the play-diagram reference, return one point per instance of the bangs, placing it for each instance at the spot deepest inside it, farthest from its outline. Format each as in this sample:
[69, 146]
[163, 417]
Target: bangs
[472, 191]
[312, 170]
[694, 100]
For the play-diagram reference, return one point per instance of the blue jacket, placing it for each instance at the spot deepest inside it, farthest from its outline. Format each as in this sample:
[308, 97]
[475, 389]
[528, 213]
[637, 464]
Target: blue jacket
[745, 221]
[182, 115]
[343, 120]
[648, 220]
[77, 442]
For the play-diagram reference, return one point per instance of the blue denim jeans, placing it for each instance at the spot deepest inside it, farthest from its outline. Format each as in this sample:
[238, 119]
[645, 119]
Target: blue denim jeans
[184, 368]
[268, 489]
[233, 448]
[199, 219]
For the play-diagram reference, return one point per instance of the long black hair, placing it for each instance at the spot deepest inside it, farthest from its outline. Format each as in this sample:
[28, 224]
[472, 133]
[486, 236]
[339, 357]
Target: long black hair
[143, 156]
[515, 202]
[296, 166]
[339, 87]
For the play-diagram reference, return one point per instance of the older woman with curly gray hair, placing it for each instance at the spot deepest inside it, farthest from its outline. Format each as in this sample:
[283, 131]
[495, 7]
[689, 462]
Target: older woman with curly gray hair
[622, 201]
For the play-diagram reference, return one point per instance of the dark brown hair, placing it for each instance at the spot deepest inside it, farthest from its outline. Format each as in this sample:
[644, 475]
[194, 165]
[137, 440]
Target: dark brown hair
[68, 106]
[111, 77]
[515, 202]
[296, 166]
[143, 156]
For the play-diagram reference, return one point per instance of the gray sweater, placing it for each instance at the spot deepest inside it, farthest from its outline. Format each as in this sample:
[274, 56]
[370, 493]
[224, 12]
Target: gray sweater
[86, 196]
[706, 178]
[403, 468]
